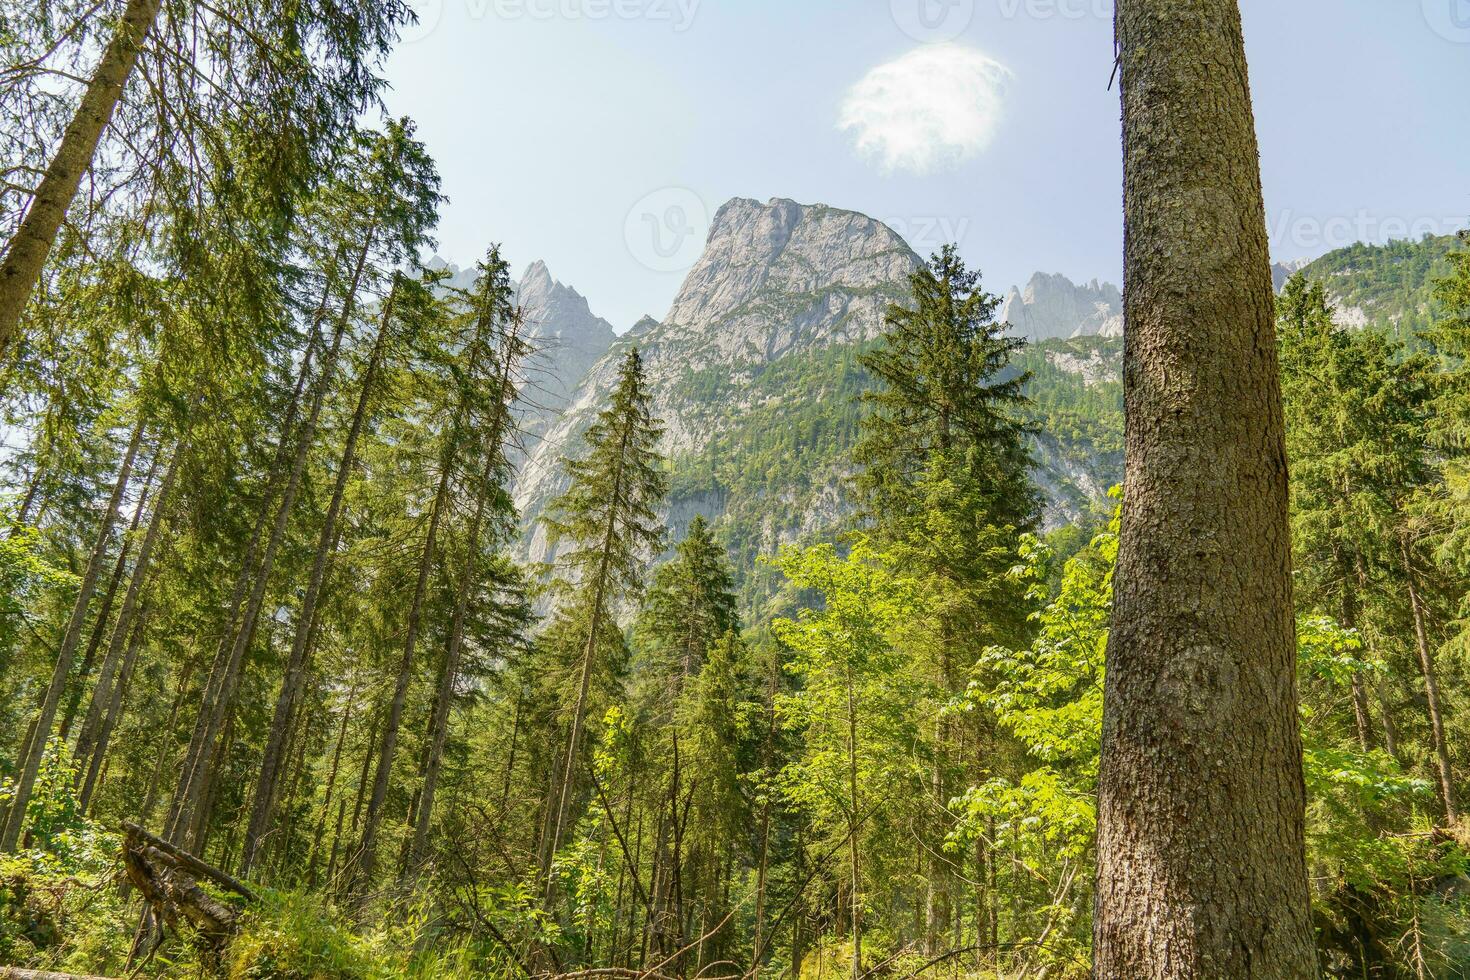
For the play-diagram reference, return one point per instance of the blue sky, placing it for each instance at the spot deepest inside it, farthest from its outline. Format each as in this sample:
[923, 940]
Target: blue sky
[591, 133]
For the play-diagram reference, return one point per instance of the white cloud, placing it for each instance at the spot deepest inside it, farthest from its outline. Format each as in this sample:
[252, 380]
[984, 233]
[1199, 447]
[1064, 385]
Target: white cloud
[934, 108]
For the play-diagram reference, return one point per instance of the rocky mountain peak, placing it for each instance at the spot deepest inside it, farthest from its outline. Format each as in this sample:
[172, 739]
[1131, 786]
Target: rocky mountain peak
[1282, 271]
[757, 255]
[1054, 306]
[569, 338]
[555, 310]
[776, 280]
[643, 326]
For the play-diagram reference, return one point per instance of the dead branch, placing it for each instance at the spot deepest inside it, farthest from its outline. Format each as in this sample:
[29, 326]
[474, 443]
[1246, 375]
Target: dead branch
[189, 862]
[162, 875]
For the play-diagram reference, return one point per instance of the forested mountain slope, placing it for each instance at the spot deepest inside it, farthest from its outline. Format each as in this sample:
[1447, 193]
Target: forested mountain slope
[1386, 286]
[754, 373]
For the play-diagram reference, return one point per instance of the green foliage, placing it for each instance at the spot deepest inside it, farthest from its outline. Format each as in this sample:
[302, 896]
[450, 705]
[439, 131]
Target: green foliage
[944, 406]
[1392, 284]
[27, 575]
[854, 708]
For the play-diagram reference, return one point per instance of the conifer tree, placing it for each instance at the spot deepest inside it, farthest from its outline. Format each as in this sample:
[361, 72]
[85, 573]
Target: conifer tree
[945, 485]
[944, 406]
[608, 518]
[690, 607]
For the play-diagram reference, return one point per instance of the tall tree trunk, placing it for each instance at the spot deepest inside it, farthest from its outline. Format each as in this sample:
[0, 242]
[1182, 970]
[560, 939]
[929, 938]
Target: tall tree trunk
[150, 795]
[469, 577]
[25, 257]
[510, 756]
[30, 762]
[852, 831]
[1362, 719]
[361, 796]
[589, 659]
[190, 809]
[330, 790]
[87, 739]
[114, 711]
[280, 851]
[104, 613]
[295, 675]
[1431, 690]
[1201, 852]
[757, 956]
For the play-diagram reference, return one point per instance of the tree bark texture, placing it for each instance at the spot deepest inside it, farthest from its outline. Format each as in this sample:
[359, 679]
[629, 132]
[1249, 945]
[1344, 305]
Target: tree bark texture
[25, 257]
[1201, 854]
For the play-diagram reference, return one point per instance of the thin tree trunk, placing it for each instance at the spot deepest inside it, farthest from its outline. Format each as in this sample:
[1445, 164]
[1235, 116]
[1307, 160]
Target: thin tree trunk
[443, 700]
[1362, 719]
[1431, 692]
[852, 833]
[25, 257]
[114, 711]
[1201, 852]
[150, 795]
[33, 489]
[295, 675]
[104, 614]
[30, 763]
[191, 809]
[767, 758]
[589, 654]
[360, 797]
[279, 852]
[510, 761]
[444, 696]
[331, 789]
[87, 739]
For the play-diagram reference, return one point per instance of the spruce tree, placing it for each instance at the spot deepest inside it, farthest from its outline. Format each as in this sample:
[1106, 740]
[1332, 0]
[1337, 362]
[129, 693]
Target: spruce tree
[945, 487]
[690, 607]
[608, 517]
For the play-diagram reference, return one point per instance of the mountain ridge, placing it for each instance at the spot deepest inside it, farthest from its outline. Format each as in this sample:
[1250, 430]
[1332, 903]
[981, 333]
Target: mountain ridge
[755, 372]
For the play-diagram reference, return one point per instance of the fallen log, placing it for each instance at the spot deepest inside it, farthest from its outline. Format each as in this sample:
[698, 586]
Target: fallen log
[189, 862]
[164, 876]
[16, 973]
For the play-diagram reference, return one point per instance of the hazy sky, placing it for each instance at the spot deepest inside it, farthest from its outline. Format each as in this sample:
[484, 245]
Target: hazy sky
[600, 135]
